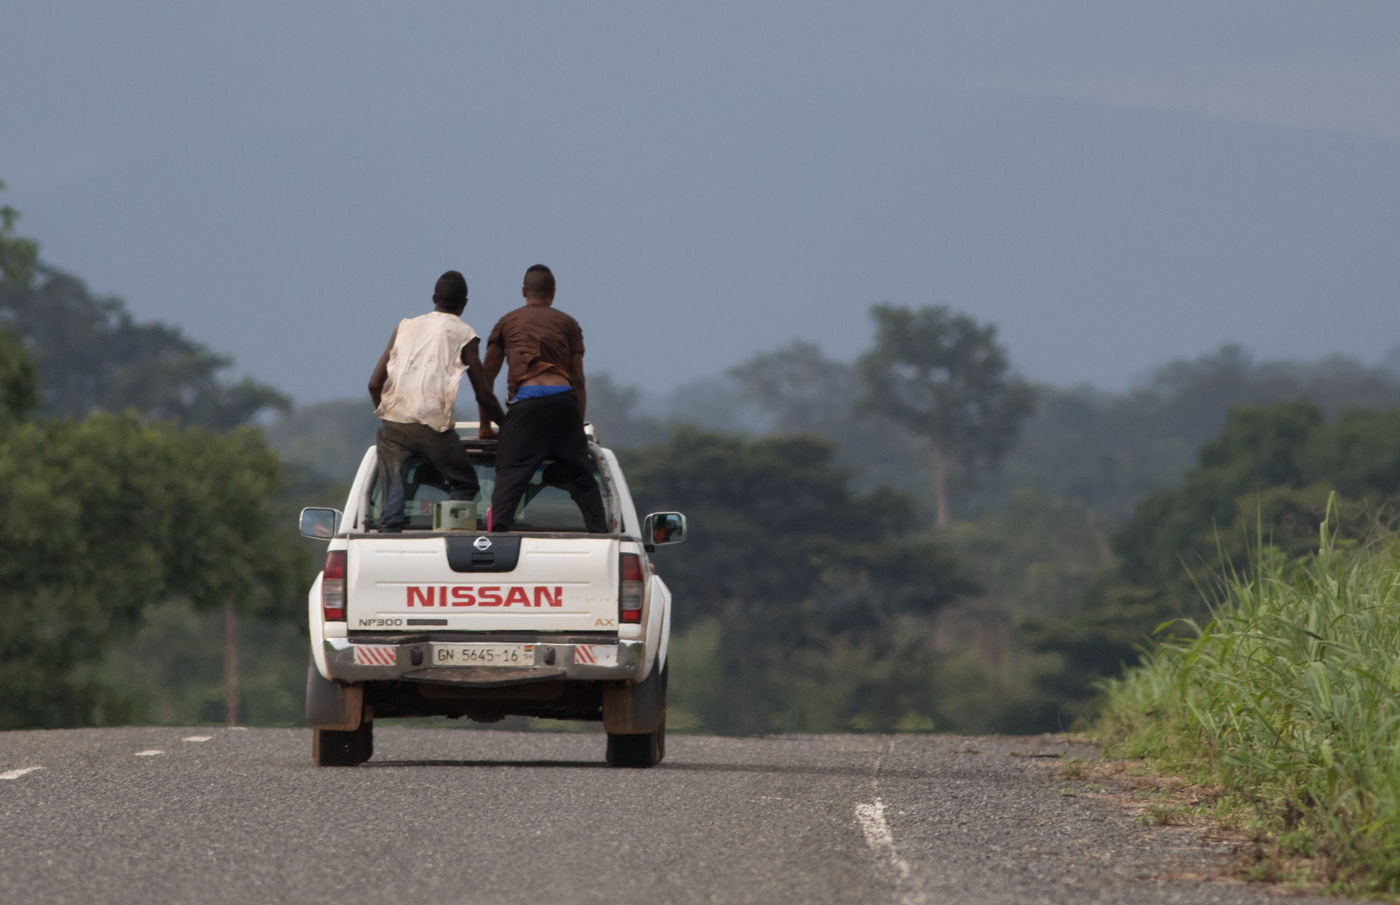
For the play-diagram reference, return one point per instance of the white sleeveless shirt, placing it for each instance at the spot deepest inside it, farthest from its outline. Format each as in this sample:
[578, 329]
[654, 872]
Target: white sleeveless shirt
[425, 366]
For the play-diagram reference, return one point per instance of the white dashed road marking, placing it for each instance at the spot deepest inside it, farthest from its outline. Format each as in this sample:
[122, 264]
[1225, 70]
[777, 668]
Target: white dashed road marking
[880, 838]
[153, 752]
[197, 738]
[16, 774]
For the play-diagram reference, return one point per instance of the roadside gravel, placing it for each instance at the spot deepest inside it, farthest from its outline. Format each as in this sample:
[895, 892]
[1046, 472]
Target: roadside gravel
[1104, 840]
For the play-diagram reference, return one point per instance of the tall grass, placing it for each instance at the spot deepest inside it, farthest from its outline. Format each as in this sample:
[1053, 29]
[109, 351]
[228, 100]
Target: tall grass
[1289, 699]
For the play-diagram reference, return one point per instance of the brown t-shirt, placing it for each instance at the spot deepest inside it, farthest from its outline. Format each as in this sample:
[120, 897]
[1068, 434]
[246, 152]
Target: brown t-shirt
[536, 339]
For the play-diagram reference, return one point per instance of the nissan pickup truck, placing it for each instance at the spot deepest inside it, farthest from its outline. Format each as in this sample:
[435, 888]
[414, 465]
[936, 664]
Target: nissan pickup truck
[448, 619]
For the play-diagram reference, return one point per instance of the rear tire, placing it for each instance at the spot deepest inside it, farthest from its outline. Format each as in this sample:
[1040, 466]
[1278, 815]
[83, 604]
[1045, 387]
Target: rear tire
[644, 750]
[331, 748]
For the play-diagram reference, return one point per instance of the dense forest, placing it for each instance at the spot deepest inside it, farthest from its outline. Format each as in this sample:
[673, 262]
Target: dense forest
[917, 539]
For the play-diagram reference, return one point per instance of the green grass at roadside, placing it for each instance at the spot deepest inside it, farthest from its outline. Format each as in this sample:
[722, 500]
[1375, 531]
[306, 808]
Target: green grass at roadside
[1289, 702]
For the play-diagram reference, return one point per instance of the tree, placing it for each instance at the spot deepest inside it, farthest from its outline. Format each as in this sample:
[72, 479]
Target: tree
[1112, 450]
[1258, 451]
[612, 409]
[19, 390]
[99, 519]
[1259, 491]
[798, 388]
[19, 384]
[17, 254]
[944, 378]
[92, 355]
[329, 438]
[1033, 561]
[806, 603]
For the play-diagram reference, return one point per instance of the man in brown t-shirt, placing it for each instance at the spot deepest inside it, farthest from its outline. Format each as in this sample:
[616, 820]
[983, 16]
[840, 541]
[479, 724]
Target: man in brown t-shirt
[545, 390]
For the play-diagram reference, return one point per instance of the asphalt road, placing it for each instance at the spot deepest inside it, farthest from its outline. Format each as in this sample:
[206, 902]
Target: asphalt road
[214, 816]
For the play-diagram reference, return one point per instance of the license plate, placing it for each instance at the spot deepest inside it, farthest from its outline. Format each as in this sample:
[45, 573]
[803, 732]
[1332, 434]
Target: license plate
[518, 655]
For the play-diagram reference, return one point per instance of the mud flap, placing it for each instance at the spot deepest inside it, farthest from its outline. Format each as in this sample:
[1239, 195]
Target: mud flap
[636, 709]
[333, 705]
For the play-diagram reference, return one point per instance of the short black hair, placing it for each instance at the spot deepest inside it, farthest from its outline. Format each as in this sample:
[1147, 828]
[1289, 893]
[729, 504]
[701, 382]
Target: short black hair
[451, 290]
[539, 282]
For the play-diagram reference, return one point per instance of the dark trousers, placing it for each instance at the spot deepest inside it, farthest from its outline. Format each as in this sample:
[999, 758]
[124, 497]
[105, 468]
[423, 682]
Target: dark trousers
[443, 449]
[547, 427]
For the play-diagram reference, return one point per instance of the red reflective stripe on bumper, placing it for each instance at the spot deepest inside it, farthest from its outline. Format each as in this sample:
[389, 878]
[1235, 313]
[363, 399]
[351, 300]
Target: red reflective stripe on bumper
[375, 655]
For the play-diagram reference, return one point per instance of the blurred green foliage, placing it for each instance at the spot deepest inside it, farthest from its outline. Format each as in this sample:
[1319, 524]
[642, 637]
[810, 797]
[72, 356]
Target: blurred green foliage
[794, 590]
[945, 379]
[17, 253]
[91, 355]
[104, 517]
[19, 381]
[115, 503]
[1264, 483]
[814, 593]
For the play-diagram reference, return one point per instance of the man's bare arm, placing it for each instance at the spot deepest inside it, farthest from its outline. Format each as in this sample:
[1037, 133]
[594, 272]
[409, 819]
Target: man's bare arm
[380, 375]
[495, 357]
[477, 372]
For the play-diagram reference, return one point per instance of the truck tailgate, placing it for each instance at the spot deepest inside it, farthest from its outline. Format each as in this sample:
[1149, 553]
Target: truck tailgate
[482, 583]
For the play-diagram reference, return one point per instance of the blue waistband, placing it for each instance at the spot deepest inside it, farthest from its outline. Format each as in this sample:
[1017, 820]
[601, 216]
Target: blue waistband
[537, 391]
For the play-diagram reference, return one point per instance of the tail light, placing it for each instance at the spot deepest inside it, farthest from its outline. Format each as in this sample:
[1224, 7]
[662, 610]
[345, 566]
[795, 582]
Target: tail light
[633, 589]
[333, 587]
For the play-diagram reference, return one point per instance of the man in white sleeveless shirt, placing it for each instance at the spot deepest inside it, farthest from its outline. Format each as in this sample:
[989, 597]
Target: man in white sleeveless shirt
[414, 386]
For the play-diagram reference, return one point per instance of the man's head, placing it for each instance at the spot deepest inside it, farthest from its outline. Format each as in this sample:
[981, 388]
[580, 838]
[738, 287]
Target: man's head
[539, 283]
[450, 293]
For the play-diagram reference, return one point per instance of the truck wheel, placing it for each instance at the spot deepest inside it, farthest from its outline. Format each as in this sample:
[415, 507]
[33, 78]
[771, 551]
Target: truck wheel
[330, 748]
[646, 749]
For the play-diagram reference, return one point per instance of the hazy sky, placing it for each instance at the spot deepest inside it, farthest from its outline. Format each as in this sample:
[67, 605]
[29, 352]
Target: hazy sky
[1113, 184]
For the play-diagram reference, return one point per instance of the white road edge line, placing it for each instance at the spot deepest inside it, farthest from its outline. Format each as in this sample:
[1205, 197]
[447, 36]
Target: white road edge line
[16, 774]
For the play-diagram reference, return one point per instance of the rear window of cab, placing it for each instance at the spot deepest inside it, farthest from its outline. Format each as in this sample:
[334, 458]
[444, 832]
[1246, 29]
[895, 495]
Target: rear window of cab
[546, 505]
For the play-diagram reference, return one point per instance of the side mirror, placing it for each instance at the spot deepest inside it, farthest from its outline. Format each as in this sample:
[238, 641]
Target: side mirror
[663, 528]
[320, 524]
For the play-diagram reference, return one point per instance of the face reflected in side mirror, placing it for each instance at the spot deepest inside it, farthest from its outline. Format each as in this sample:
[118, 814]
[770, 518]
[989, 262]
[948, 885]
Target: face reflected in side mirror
[320, 524]
[664, 528]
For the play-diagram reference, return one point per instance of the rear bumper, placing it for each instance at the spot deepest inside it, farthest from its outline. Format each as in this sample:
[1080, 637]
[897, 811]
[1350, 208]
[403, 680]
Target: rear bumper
[618, 661]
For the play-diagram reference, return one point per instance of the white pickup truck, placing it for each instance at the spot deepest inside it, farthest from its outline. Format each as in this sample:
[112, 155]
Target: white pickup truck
[448, 619]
